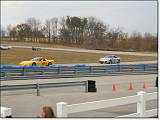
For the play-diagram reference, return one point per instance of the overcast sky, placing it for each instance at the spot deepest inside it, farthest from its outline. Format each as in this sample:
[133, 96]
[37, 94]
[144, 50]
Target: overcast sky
[132, 16]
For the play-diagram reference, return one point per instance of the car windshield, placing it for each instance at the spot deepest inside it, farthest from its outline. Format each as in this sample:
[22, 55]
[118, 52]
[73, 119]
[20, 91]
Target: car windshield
[108, 56]
[36, 59]
[4, 45]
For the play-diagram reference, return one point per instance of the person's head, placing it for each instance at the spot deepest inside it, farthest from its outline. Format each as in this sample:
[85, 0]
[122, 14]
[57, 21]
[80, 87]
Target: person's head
[47, 112]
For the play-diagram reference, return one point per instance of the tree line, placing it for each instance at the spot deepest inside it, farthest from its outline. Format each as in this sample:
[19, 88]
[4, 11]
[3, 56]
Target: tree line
[86, 32]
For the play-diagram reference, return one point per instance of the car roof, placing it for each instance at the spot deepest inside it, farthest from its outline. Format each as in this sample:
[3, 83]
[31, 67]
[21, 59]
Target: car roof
[39, 57]
[109, 55]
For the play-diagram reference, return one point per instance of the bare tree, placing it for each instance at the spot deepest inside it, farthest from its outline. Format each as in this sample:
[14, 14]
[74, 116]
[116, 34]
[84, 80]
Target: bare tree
[136, 41]
[64, 33]
[35, 25]
[76, 30]
[147, 40]
[54, 28]
[13, 33]
[47, 29]
[113, 35]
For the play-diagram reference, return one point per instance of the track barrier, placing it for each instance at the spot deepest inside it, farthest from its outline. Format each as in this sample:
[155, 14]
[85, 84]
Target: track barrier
[80, 70]
[90, 86]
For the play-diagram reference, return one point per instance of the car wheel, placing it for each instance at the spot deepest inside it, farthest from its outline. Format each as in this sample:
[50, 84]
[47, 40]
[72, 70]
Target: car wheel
[49, 63]
[33, 64]
[118, 61]
[110, 62]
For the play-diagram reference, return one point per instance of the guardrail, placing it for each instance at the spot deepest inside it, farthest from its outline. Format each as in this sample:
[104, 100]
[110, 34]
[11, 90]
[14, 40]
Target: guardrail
[89, 86]
[55, 71]
[63, 109]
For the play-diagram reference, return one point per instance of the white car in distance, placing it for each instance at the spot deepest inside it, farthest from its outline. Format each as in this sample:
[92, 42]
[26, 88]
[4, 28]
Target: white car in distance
[109, 59]
[5, 47]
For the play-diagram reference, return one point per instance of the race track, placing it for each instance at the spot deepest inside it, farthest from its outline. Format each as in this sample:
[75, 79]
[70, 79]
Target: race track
[25, 103]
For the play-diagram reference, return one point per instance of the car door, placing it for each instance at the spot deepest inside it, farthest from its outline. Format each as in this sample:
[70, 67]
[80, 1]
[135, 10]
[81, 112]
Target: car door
[111, 59]
[39, 62]
[44, 62]
[114, 59]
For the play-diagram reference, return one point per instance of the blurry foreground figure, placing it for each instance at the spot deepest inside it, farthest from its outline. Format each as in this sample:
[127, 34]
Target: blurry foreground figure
[47, 112]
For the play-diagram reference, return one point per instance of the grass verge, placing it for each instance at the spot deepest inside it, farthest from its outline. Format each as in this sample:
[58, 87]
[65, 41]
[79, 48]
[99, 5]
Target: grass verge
[15, 55]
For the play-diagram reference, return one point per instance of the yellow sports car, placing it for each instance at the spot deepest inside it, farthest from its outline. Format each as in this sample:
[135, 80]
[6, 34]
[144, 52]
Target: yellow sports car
[37, 61]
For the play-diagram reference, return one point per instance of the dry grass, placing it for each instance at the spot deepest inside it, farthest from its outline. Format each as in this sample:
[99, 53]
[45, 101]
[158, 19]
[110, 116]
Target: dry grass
[15, 55]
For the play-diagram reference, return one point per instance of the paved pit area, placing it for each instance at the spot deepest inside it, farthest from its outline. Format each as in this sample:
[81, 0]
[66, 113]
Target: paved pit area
[25, 103]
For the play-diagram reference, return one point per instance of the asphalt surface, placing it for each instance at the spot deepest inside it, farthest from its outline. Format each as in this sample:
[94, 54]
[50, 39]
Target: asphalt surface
[93, 51]
[25, 103]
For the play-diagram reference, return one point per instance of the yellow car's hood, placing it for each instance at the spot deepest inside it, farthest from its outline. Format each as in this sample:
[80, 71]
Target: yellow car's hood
[25, 62]
[51, 61]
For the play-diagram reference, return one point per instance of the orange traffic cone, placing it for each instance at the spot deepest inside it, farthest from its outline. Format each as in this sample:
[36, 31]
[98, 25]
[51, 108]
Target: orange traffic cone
[130, 87]
[144, 86]
[113, 87]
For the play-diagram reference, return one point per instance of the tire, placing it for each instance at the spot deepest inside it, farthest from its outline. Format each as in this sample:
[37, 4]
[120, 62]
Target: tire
[110, 62]
[49, 63]
[118, 61]
[34, 64]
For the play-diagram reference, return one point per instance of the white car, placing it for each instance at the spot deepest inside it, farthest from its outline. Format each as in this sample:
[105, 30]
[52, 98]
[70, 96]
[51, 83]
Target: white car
[110, 59]
[5, 47]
